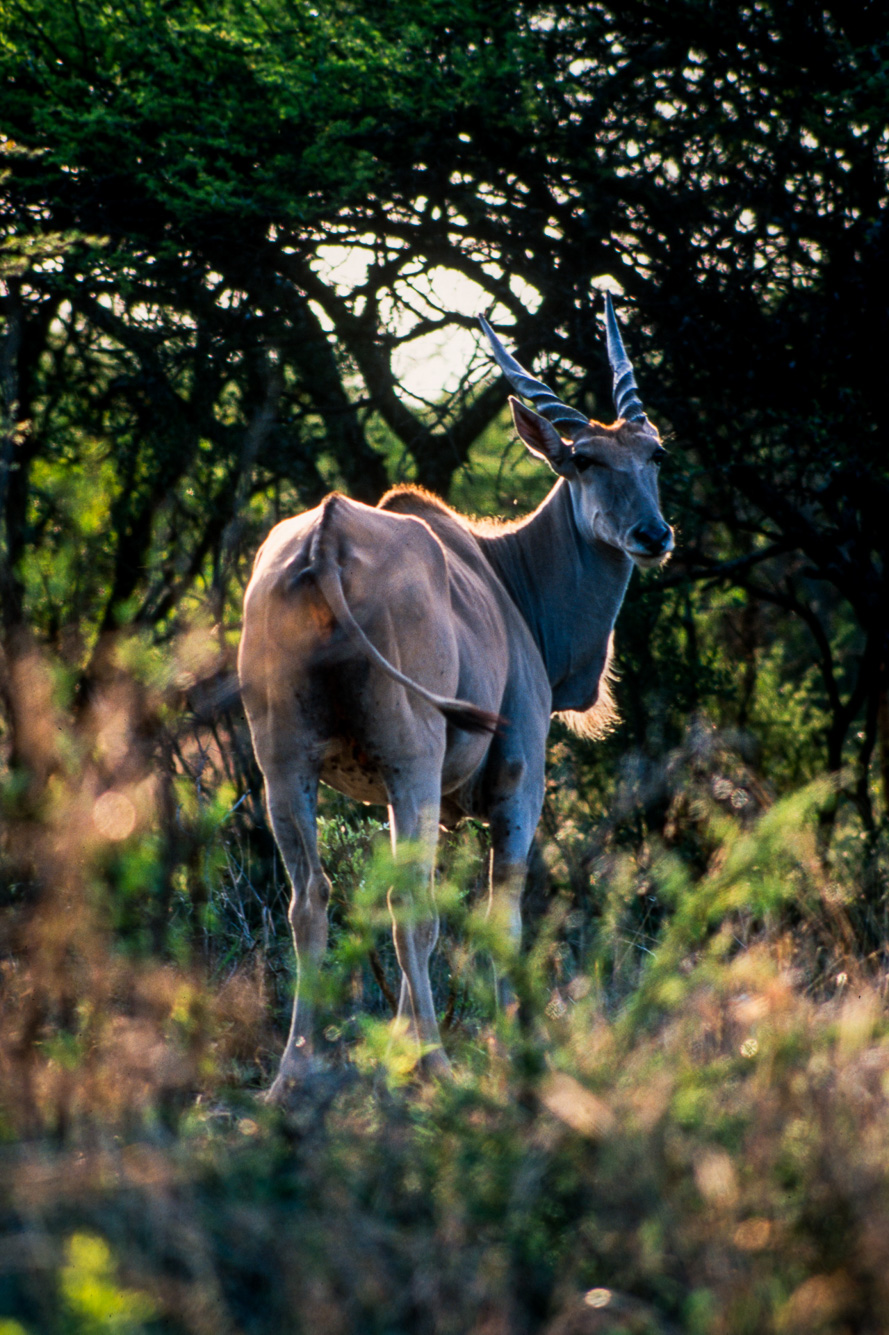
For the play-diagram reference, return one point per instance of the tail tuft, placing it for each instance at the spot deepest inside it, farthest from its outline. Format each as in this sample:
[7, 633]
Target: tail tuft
[308, 576]
[472, 719]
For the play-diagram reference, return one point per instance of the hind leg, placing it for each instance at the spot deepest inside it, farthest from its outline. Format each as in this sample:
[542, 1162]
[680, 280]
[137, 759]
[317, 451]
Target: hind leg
[413, 814]
[291, 795]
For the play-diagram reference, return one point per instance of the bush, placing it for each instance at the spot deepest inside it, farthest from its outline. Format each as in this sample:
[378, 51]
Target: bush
[690, 1136]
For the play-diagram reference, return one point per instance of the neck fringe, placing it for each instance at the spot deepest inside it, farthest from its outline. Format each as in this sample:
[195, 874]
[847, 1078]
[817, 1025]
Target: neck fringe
[602, 717]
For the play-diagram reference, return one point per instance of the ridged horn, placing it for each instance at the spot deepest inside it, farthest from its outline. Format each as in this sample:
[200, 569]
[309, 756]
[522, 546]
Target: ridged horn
[570, 420]
[627, 403]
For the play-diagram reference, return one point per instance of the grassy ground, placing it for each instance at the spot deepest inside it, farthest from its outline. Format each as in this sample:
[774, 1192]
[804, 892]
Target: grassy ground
[719, 1166]
[691, 1134]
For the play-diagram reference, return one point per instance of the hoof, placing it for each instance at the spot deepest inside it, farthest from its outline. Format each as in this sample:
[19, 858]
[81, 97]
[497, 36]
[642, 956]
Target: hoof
[303, 1104]
[435, 1065]
[290, 1084]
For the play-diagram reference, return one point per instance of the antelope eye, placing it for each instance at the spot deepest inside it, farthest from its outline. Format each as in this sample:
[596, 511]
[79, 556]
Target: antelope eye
[658, 457]
[584, 461]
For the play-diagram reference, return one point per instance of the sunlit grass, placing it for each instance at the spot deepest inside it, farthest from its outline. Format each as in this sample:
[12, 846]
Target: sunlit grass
[683, 1126]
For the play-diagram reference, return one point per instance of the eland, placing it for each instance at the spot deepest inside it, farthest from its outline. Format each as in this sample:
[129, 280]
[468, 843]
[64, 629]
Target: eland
[407, 655]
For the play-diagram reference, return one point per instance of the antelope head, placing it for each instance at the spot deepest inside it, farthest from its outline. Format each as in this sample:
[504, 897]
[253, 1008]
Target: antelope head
[612, 471]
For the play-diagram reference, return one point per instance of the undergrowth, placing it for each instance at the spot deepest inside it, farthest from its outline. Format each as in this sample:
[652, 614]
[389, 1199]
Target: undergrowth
[689, 1133]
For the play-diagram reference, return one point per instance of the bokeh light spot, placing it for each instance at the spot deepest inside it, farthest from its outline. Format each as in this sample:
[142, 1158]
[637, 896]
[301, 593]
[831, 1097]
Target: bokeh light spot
[114, 816]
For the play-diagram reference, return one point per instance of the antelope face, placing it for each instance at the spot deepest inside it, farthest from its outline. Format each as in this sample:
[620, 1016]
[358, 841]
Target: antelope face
[612, 473]
[611, 470]
[613, 476]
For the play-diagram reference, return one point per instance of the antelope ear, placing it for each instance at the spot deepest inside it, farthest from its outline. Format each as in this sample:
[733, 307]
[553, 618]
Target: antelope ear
[541, 438]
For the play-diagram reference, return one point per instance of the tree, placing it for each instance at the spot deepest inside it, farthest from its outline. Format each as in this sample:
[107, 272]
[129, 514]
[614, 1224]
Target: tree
[726, 167]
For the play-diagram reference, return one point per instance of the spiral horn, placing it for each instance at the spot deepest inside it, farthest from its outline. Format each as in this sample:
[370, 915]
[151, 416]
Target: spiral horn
[627, 403]
[543, 399]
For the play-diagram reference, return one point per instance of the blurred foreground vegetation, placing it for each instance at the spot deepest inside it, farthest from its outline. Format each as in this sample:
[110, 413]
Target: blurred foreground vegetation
[689, 1135]
[229, 235]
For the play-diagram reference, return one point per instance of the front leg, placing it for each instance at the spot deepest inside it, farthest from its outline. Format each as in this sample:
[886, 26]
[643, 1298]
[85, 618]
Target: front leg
[513, 821]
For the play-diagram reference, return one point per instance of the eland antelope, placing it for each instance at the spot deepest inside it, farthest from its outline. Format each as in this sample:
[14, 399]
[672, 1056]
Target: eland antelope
[407, 655]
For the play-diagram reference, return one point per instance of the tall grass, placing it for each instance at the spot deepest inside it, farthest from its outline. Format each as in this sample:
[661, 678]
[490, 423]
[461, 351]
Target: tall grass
[689, 1133]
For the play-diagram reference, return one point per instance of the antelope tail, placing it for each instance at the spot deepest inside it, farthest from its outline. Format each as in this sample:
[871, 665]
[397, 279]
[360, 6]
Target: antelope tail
[324, 573]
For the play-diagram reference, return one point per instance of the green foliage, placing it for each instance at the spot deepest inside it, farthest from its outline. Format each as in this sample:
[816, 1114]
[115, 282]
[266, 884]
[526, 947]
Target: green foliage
[711, 1156]
[94, 1299]
[687, 1130]
[670, 1134]
[184, 342]
[754, 875]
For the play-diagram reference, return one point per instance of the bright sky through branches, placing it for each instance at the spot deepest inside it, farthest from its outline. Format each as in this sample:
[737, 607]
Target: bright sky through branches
[433, 363]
